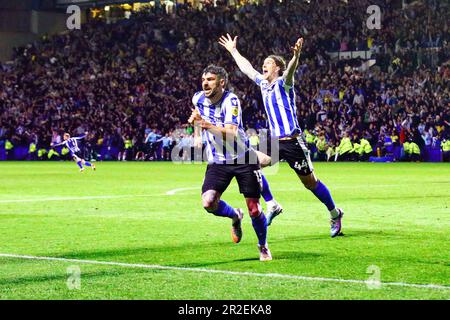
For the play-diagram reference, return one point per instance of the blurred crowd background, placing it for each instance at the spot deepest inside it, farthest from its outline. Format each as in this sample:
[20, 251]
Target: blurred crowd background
[129, 84]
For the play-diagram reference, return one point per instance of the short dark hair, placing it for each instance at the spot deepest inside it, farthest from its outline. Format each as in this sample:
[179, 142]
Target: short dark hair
[279, 61]
[220, 72]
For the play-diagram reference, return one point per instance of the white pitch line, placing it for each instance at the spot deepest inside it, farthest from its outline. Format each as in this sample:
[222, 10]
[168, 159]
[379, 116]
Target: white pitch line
[227, 272]
[172, 192]
[168, 193]
[77, 198]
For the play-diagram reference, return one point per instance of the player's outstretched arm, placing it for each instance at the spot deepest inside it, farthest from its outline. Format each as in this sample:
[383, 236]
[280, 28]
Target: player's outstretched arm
[81, 137]
[288, 75]
[244, 65]
[57, 145]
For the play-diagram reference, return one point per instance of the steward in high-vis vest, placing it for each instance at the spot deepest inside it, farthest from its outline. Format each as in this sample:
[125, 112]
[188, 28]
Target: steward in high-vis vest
[445, 145]
[9, 150]
[65, 151]
[406, 150]
[365, 149]
[127, 151]
[345, 148]
[52, 153]
[414, 151]
[322, 146]
[310, 140]
[41, 153]
[128, 144]
[32, 154]
[32, 148]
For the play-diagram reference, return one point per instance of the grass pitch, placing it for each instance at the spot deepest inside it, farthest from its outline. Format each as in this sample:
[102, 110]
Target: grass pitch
[396, 224]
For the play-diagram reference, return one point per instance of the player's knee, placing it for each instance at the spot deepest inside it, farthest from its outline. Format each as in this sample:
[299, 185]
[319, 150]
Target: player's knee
[310, 182]
[254, 209]
[310, 185]
[210, 203]
[210, 207]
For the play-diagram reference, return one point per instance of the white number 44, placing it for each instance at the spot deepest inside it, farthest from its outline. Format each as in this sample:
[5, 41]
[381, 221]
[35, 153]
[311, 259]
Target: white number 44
[300, 166]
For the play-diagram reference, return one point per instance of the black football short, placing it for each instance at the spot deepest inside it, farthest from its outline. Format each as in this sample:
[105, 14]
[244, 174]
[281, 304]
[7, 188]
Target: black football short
[297, 154]
[76, 154]
[248, 176]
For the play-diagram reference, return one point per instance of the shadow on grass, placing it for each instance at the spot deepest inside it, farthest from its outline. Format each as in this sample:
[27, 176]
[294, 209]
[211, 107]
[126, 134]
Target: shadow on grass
[160, 253]
[63, 277]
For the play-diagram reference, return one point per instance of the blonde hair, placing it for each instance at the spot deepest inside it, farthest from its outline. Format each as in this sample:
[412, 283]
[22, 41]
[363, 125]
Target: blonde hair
[279, 61]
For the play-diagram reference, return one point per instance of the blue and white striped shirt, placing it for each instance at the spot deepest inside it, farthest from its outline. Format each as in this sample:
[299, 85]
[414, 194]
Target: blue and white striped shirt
[279, 103]
[226, 111]
[72, 144]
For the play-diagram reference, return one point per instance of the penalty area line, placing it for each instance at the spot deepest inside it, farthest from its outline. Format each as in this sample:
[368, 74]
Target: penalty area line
[226, 272]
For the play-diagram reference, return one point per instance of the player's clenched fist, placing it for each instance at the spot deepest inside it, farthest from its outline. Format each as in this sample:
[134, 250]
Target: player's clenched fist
[195, 116]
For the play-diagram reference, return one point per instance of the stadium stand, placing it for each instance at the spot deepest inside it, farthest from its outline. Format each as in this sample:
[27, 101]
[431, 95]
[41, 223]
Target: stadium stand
[130, 83]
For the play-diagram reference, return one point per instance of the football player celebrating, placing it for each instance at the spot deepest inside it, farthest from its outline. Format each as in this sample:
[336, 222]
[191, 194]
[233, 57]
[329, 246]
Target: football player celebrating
[218, 113]
[277, 89]
[72, 145]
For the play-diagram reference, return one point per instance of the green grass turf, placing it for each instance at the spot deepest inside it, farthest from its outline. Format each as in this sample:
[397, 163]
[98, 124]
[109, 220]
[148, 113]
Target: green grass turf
[397, 218]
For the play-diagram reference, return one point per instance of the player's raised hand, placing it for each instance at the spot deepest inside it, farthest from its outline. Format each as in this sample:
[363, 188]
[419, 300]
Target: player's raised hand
[228, 42]
[297, 48]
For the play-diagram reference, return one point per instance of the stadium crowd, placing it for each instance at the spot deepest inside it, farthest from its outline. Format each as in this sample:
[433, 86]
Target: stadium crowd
[129, 84]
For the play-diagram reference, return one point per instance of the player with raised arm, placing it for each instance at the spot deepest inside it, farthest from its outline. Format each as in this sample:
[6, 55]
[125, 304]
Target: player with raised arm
[277, 89]
[217, 112]
[72, 145]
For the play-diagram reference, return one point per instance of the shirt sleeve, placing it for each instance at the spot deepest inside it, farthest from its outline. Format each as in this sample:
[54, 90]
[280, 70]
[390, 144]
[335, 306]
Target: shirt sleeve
[195, 98]
[232, 110]
[259, 79]
[283, 83]
[80, 137]
[59, 144]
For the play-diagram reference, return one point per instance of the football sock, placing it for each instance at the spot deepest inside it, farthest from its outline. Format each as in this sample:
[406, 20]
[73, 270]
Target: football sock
[224, 210]
[334, 213]
[260, 225]
[86, 163]
[79, 164]
[323, 194]
[265, 192]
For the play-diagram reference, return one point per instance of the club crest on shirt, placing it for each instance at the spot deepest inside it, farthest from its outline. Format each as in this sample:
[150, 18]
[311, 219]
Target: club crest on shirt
[235, 111]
